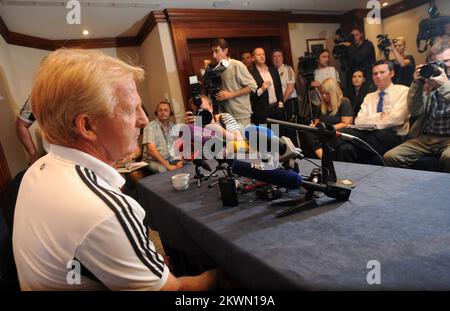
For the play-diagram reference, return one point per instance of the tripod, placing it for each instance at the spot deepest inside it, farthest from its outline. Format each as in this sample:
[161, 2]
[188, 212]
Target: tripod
[200, 163]
[306, 109]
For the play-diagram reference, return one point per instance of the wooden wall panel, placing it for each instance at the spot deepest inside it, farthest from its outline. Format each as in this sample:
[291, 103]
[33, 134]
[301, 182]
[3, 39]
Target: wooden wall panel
[189, 25]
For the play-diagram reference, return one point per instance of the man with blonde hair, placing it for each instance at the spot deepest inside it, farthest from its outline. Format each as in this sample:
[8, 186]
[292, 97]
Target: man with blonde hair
[73, 228]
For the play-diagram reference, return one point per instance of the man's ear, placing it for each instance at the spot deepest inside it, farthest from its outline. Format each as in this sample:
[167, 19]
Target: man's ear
[392, 73]
[85, 127]
[226, 51]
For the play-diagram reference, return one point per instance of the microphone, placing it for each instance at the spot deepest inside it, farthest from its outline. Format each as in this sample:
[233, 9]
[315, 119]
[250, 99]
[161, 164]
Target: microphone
[263, 139]
[280, 177]
[198, 142]
[326, 129]
[257, 134]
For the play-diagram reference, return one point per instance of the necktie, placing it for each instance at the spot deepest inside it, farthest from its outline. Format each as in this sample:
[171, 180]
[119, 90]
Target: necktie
[380, 102]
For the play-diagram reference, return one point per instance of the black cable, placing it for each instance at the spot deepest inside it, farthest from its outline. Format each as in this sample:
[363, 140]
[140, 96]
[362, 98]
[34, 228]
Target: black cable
[370, 147]
[311, 162]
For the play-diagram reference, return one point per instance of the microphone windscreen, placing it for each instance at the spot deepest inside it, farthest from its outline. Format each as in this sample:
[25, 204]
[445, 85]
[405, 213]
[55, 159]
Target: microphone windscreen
[280, 177]
[253, 130]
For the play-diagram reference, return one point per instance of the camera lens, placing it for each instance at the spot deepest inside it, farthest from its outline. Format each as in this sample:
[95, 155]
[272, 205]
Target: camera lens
[429, 70]
[205, 115]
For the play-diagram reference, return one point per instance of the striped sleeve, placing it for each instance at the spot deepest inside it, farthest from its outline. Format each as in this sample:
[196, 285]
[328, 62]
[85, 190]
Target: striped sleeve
[229, 123]
[118, 251]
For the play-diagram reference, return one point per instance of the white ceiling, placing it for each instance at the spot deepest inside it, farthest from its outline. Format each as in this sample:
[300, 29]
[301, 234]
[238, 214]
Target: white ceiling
[113, 18]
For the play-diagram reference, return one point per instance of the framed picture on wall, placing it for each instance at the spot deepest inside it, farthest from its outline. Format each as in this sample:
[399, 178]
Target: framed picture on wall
[315, 45]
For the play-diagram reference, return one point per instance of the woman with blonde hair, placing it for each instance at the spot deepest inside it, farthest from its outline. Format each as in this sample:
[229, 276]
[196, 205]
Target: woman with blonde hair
[334, 109]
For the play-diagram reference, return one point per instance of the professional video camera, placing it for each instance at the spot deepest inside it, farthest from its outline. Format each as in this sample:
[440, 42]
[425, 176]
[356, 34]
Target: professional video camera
[340, 51]
[213, 82]
[384, 43]
[432, 27]
[306, 66]
[432, 69]
[196, 92]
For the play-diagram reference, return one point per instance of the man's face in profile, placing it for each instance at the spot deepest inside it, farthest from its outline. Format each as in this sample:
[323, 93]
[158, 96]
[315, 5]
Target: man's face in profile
[117, 134]
[218, 54]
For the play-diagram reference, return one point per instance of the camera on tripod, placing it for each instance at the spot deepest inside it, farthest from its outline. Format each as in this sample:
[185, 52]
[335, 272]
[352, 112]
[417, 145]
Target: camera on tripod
[196, 93]
[432, 69]
[306, 66]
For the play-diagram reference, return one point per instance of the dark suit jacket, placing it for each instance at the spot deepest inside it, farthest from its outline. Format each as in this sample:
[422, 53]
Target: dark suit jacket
[260, 104]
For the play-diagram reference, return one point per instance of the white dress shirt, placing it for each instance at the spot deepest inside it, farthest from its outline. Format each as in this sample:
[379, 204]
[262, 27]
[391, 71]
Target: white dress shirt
[394, 107]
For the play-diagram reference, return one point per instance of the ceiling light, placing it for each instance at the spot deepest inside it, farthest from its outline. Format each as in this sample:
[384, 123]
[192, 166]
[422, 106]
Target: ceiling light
[385, 3]
[85, 32]
[221, 3]
[246, 3]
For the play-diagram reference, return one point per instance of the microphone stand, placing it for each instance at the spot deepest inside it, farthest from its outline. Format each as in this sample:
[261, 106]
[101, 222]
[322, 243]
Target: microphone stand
[200, 163]
[325, 183]
[223, 167]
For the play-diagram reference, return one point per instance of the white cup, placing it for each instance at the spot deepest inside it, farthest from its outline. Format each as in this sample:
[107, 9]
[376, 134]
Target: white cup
[181, 181]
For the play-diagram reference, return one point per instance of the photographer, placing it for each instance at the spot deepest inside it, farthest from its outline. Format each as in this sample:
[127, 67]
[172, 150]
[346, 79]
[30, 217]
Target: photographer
[360, 53]
[404, 64]
[429, 101]
[237, 83]
[220, 123]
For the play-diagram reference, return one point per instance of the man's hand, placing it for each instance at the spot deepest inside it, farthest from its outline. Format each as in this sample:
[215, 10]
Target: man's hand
[416, 76]
[265, 85]
[347, 44]
[435, 82]
[224, 95]
[315, 84]
[171, 167]
[179, 164]
[189, 117]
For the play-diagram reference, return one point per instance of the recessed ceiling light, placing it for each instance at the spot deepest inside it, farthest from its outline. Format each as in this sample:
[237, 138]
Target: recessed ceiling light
[246, 3]
[85, 32]
[385, 3]
[221, 3]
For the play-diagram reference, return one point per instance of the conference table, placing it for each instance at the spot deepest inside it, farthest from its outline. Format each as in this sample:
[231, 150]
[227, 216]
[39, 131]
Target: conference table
[392, 234]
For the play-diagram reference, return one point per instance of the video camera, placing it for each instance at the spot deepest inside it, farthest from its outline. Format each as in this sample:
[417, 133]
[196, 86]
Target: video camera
[432, 69]
[340, 51]
[196, 93]
[213, 84]
[306, 66]
[384, 43]
[432, 27]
